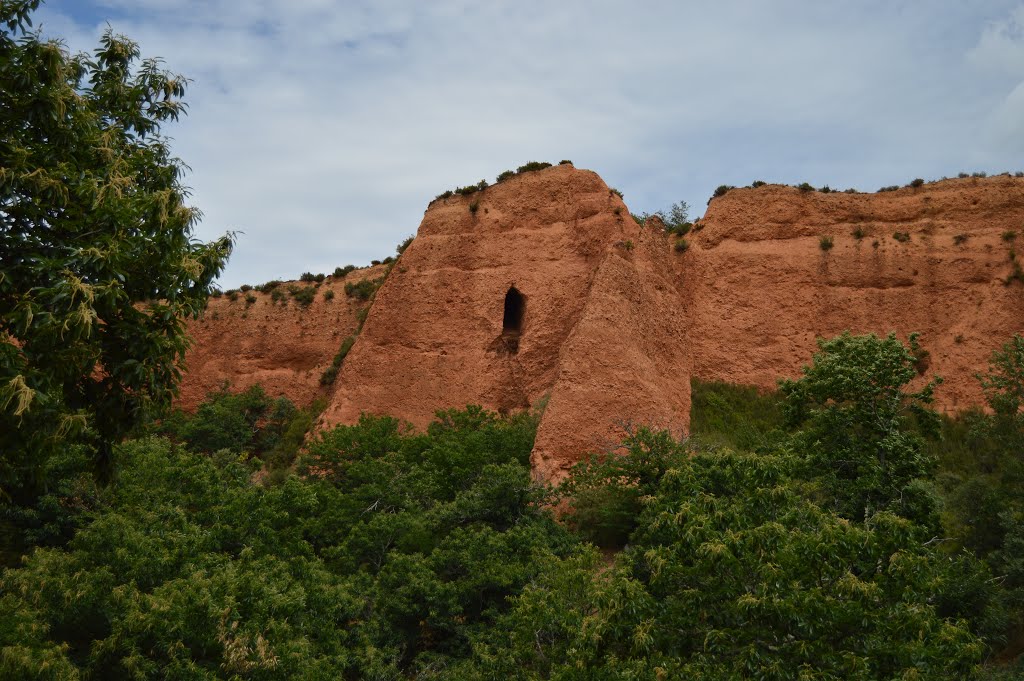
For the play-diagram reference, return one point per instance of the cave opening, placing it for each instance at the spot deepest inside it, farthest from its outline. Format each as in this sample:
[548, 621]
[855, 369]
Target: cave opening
[515, 309]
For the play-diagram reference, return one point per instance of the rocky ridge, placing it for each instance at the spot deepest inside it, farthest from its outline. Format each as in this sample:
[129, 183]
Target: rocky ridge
[543, 290]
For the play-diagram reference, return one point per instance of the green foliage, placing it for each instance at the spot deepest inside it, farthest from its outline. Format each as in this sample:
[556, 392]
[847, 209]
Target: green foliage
[916, 182]
[444, 195]
[757, 183]
[902, 237]
[736, 416]
[825, 243]
[342, 272]
[859, 233]
[100, 267]
[269, 286]
[328, 294]
[826, 190]
[565, 162]
[331, 372]
[1004, 382]
[532, 166]
[278, 295]
[853, 413]
[250, 299]
[244, 422]
[400, 248]
[677, 218]
[396, 553]
[722, 190]
[682, 245]
[890, 188]
[805, 187]
[474, 206]
[467, 190]
[1009, 235]
[504, 175]
[616, 192]
[364, 289]
[303, 295]
[732, 573]
[960, 239]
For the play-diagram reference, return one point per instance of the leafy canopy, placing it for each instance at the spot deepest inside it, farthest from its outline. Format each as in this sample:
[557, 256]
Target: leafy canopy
[99, 266]
[854, 411]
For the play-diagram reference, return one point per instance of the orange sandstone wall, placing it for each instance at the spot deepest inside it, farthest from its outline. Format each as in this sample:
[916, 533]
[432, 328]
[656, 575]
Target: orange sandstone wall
[284, 348]
[595, 283]
[763, 288]
[616, 322]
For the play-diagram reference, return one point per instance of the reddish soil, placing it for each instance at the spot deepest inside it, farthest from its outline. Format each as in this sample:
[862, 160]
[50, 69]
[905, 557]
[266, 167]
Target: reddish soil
[596, 343]
[284, 348]
[615, 321]
[762, 288]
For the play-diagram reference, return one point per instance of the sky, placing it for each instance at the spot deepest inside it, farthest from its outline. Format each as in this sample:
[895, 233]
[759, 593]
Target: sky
[319, 130]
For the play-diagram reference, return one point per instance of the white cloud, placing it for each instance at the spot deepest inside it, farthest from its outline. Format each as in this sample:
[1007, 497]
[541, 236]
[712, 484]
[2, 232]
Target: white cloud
[322, 128]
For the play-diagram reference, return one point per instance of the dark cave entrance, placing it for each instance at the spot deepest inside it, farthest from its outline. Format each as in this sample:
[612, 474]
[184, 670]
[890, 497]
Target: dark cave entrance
[515, 308]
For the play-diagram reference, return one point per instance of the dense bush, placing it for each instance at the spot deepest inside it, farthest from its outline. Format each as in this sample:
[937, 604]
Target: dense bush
[364, 289]
[825, 243]
[431, 555]
[504, 175]
[303, 295]
[269, 286]
[395, 554]
[532, 166]
[730, 572]
[342, 272]
[902, 237]
[331, 372]
[400, 248]
[722, 190]
[805, 187]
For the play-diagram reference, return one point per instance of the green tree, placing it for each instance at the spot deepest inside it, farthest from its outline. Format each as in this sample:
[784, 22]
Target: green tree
[98, 265]
[858, 426]
[731, 572]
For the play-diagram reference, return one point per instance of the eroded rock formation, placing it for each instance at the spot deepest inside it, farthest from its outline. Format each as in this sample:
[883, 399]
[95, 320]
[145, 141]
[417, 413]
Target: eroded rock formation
[543, 289]
[600, 326]
[763, 288]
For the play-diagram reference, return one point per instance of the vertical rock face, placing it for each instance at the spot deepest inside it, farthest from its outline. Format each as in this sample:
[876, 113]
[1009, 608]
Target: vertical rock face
[763, 288]
[543, 289]
[281, 346]
[539, 288]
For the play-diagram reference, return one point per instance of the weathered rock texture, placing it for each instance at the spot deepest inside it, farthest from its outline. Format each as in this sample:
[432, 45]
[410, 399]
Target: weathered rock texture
[763, 288]
[600, 333]
[283, 347]
[616, 321]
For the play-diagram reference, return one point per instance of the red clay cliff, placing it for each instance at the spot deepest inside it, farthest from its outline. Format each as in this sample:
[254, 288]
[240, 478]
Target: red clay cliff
[543, 290]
